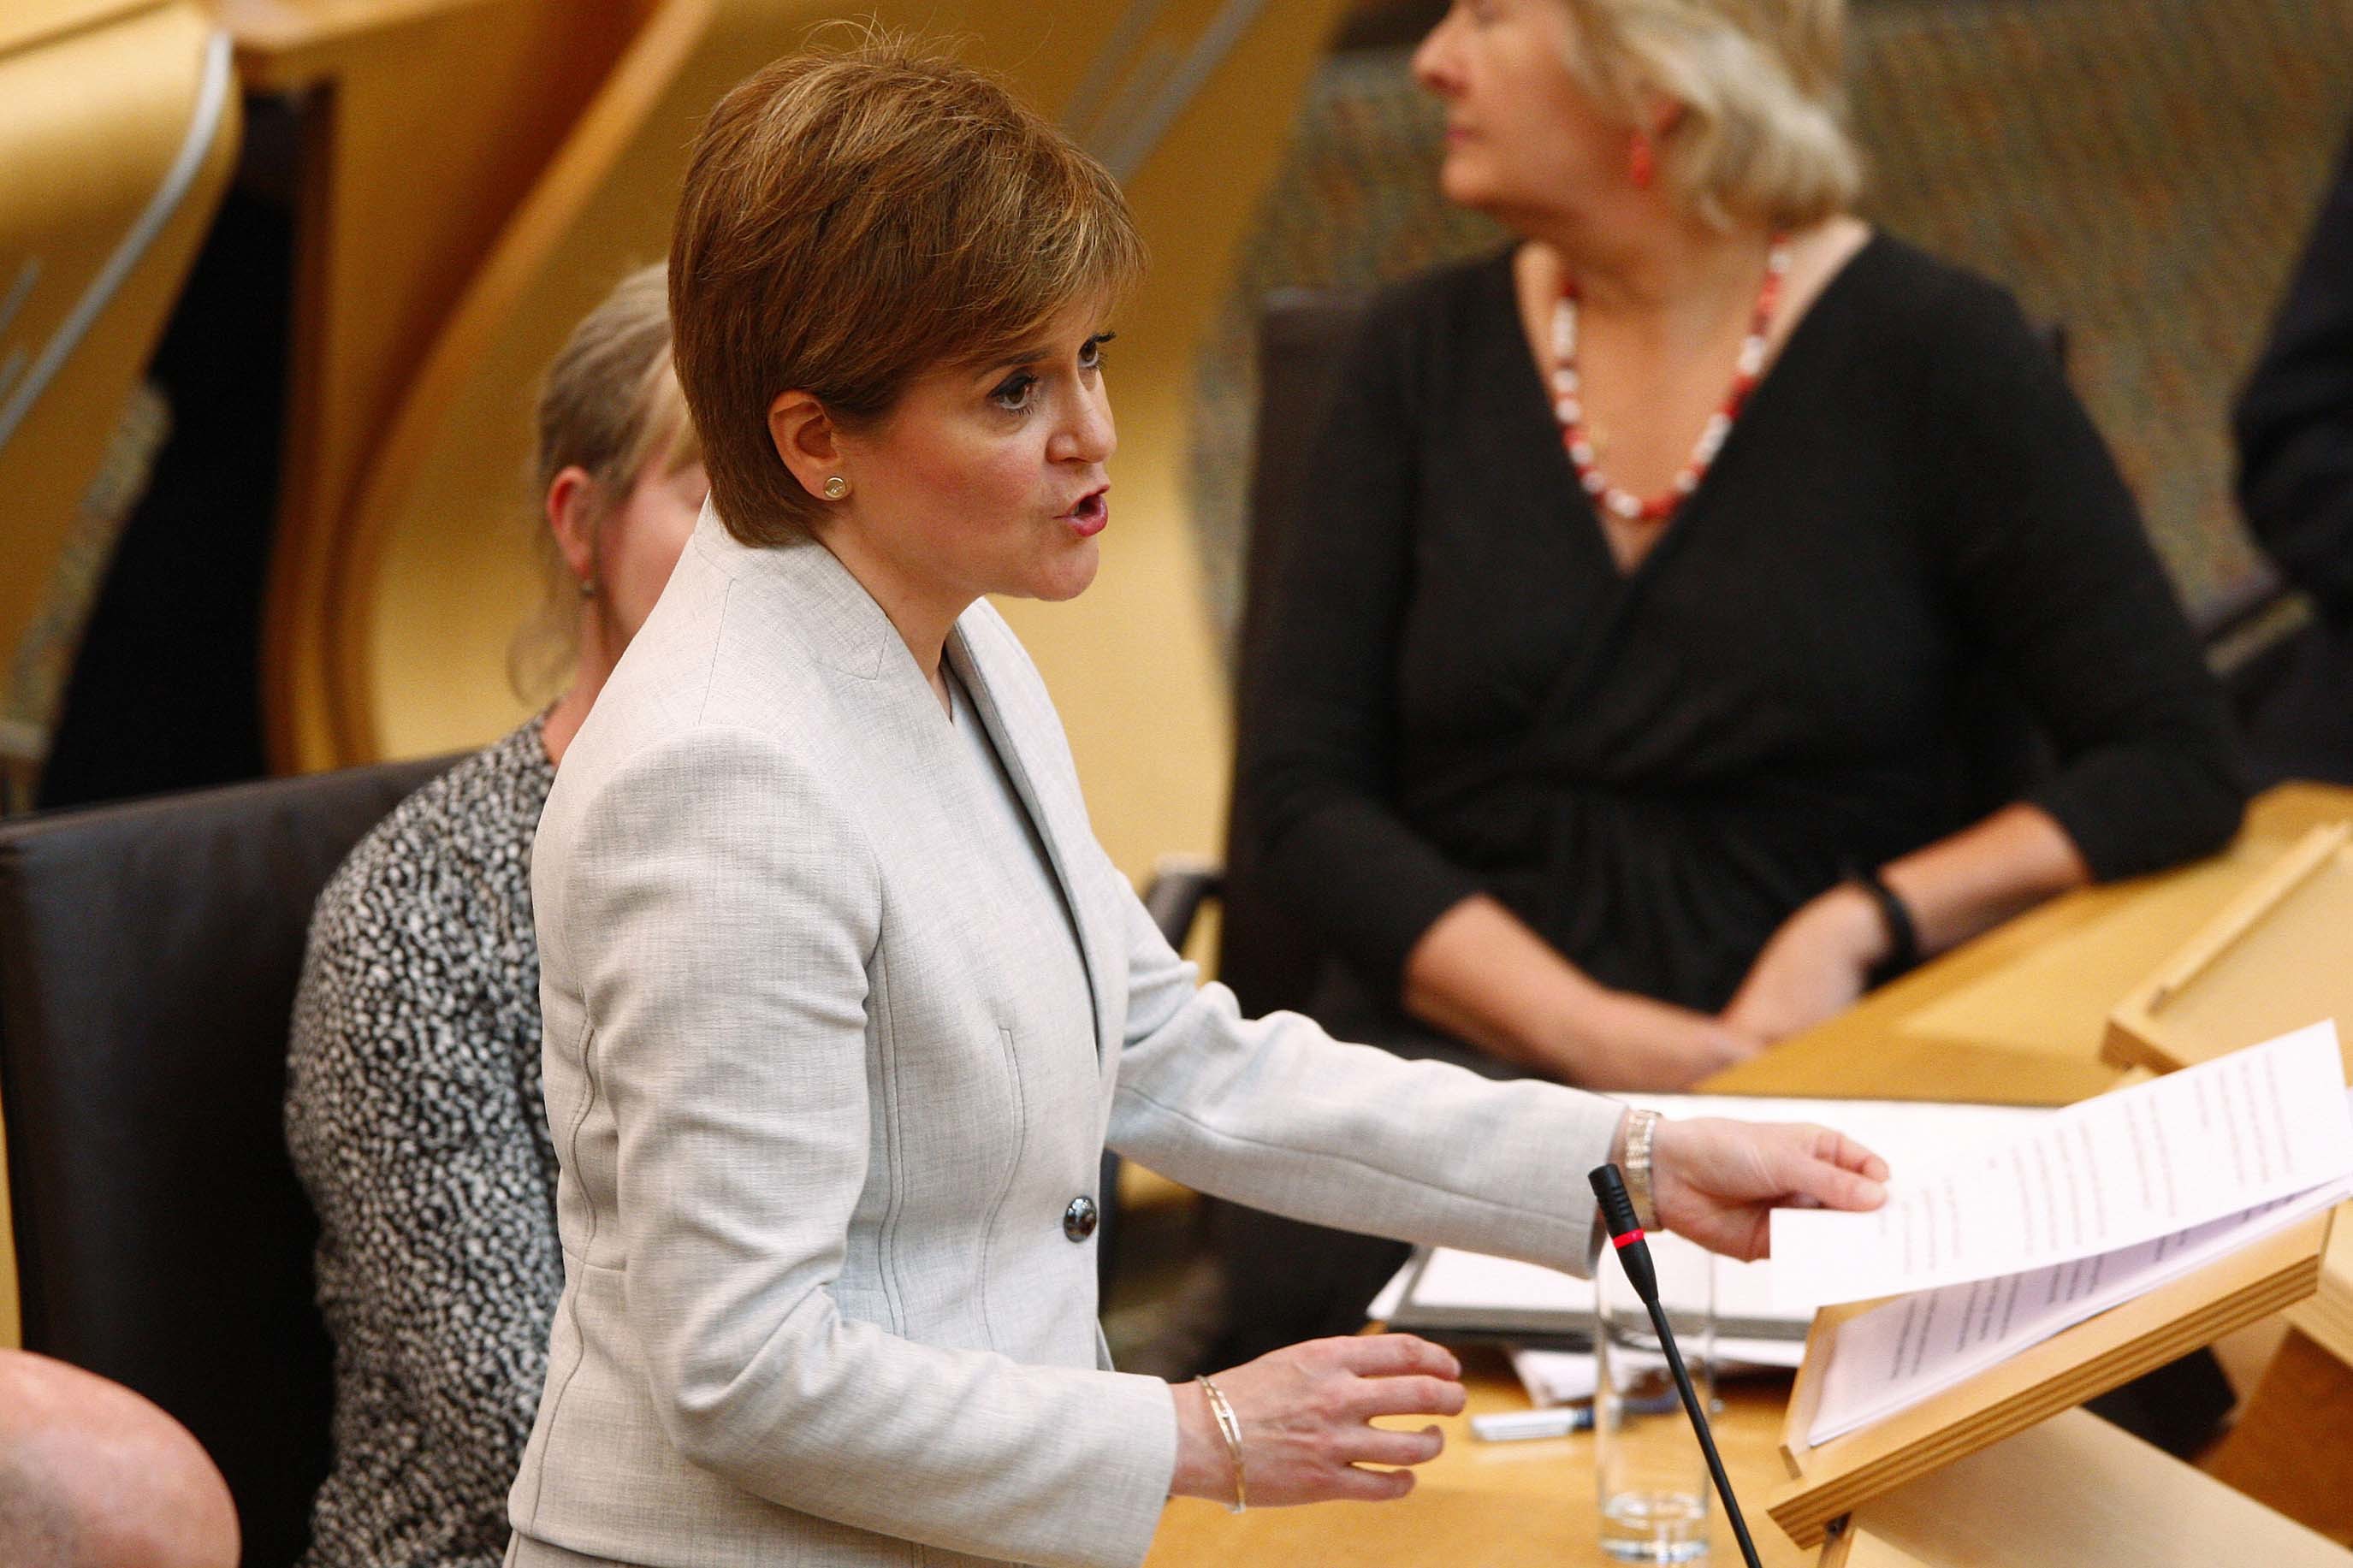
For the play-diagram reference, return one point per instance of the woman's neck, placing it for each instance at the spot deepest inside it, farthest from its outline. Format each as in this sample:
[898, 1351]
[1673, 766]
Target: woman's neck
[1655, 275]
[590, 672]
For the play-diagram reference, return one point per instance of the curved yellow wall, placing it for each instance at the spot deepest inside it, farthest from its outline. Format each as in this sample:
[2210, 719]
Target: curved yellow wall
[96, 101]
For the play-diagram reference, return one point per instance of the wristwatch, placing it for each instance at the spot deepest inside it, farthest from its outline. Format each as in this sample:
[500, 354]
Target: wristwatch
[1640, 1125]
[1903, 932]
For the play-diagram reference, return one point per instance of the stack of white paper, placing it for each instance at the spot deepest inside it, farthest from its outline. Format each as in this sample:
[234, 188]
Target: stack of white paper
[1447, 1290]
[2102, 1201]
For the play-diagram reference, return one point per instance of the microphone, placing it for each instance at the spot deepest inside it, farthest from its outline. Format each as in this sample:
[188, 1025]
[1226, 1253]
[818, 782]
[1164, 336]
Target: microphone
[1634, 1256]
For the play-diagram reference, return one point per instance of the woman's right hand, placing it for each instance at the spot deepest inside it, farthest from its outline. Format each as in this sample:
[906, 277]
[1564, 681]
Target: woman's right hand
[1717, 1181]
[1622, 1041]
[1305, 1412]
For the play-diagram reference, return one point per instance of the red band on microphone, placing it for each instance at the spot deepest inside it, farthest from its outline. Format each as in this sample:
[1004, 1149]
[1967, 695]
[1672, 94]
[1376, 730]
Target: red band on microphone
[1628, 1240]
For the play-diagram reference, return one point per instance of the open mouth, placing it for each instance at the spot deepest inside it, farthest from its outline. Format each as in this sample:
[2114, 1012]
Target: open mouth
[1090, 514]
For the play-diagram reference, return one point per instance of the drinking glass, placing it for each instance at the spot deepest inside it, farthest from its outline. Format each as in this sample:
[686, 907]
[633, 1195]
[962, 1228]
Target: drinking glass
[1649, 1474]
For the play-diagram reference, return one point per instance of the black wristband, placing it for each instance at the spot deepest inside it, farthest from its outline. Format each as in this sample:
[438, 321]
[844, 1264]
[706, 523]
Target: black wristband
[1903, 936]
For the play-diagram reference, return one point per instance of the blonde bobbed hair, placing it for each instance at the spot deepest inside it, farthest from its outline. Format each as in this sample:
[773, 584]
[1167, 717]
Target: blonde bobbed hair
[1762, 137]
[608, 405]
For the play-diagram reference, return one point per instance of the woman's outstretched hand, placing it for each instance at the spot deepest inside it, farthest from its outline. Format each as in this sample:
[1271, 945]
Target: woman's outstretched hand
[1716, 1181]
[1305, 1412]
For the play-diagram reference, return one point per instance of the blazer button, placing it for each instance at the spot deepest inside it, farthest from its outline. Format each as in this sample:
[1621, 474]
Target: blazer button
[1078, 1220]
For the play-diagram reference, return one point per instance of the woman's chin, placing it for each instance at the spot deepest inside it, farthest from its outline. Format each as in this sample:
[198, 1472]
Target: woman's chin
[1464, 184]
[1069, 574]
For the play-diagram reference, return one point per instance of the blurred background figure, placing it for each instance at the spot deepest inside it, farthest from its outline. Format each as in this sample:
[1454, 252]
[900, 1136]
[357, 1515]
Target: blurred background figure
[2295, 429]
[413, 1105]
[92, 1476]
[1630, 653]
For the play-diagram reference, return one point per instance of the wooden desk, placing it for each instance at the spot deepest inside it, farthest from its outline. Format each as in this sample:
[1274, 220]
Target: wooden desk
[2072, 1490]
[1486, 1505]
[2016, 1016]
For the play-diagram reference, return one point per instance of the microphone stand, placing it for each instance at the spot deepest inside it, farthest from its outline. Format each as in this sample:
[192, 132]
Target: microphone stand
[1634, 1256]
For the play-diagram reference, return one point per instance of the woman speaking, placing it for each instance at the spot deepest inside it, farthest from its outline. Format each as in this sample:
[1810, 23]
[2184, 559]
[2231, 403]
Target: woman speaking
[842, 1000]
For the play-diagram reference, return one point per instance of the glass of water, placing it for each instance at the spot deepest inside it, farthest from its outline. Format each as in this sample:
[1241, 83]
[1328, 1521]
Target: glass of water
[1649, 1474]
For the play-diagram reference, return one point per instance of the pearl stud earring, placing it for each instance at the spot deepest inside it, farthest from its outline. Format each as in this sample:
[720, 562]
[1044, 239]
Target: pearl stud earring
[836, 487]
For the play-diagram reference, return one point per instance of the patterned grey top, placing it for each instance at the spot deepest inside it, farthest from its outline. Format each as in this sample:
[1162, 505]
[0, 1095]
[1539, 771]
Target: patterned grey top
[414, 1113]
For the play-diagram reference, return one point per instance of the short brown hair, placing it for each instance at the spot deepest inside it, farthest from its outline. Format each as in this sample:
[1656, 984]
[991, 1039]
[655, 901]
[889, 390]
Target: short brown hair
[1762, 138]
[608, 405]
[854, 218]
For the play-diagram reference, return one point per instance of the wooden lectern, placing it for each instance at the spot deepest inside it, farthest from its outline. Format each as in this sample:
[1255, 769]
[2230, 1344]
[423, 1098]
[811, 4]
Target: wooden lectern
[2072, 1490]
[1831, 1481]
[2273, 959]
[2278, 956]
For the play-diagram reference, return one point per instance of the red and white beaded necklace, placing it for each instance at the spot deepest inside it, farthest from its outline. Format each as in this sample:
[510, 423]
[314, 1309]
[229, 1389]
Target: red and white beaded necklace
[1569, 404]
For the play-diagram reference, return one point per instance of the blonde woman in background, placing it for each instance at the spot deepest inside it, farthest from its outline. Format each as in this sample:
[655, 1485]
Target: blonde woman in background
[413, 1103]
[1621, 707]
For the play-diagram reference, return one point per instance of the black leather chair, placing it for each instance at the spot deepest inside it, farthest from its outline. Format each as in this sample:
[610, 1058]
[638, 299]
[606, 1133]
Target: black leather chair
[148, 958]
[1265, 958]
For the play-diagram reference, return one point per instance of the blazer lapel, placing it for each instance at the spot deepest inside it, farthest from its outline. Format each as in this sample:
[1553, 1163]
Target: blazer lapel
[1062, 826]
[824, 609]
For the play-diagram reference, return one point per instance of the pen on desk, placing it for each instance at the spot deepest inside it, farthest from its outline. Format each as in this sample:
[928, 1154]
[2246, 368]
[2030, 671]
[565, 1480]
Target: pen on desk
[1518, 1426]
[1560, 1421]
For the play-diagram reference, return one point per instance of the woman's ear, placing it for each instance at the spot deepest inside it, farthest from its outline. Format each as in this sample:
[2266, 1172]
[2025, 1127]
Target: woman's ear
[1660, 114]
[573, 509]
[805, 439]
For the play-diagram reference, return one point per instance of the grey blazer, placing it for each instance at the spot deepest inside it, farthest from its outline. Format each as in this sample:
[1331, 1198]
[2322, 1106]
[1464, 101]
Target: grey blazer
[818, 1130]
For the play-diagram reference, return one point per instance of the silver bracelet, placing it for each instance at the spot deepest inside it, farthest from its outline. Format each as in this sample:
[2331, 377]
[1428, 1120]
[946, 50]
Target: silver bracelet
[1231, 1431]
[1640, 1125]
